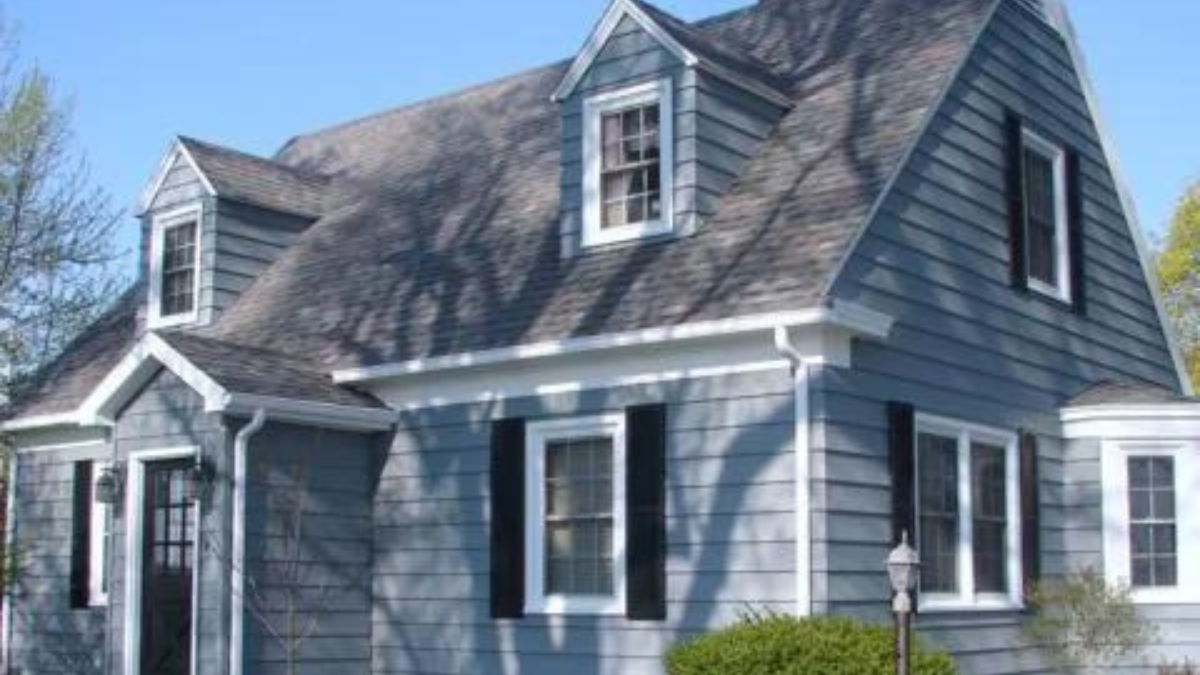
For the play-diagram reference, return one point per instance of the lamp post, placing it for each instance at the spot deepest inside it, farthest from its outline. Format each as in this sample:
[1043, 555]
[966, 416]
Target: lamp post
[903, 564]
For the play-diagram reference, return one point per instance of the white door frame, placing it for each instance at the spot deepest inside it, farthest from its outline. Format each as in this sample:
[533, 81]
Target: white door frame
[134, 531]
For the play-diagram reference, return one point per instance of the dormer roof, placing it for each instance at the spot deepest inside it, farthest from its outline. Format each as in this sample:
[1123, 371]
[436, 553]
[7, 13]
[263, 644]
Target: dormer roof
[248, 179]
[692, 47]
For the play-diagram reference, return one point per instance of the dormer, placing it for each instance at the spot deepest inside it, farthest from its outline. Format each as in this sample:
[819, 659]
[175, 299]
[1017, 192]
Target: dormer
[658, 120]
[212, 220]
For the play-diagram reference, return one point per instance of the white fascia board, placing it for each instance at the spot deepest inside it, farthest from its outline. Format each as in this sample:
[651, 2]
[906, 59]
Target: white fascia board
[852, 318]
[1133, 421]
[34, 422]
[177, 150]
[133, 371]
[1061, 20]
[616, 11]
[309, 413]
[692, 351]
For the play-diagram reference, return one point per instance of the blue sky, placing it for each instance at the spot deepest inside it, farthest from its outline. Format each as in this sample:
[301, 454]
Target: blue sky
[251, 73]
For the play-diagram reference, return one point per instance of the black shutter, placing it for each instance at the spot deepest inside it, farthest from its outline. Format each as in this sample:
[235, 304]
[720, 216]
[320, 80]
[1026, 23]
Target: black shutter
[81, 534]
[1015, 140]
[1075, 227]
[508, 519]
[645, 528]
[902, 448]
[1030, 512]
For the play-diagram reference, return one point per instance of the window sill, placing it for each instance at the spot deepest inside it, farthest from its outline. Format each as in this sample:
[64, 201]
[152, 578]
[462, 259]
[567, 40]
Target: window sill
[1045, 291]
[173, 321]
[583, 606]
[626, 233]
[956, 605]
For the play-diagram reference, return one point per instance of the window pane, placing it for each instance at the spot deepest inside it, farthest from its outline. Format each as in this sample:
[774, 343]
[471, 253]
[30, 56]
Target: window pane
[1153, 547]
[1041, 217]
[579, 517]
[938, 511]
[178, 269]
[990, 517]
[630, 167]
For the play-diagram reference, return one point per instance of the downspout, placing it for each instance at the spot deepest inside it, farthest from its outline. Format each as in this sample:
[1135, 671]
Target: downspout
[802, 447]
[241, 446]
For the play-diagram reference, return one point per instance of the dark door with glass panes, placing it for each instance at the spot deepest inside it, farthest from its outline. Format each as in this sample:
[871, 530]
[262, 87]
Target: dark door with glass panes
[168, 541]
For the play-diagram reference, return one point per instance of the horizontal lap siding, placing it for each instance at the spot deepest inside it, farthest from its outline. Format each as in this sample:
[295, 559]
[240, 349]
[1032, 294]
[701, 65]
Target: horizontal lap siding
[47, 635]
[717, 128]
[730, 524]
[243, 242]
[965, 344]
[335, 472]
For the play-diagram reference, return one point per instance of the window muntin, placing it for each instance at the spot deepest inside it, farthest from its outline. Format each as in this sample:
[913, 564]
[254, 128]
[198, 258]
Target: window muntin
[178, 269]
[575, 516]
[631, 167]
[1046, 237]
[968, 516]
[1153, 549]
[628, 164]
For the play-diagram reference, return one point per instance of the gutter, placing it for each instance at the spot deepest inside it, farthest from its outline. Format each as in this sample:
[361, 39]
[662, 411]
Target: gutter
[237, 628]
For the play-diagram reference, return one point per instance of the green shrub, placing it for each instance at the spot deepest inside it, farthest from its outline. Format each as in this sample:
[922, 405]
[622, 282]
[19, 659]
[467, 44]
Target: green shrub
[781, 645]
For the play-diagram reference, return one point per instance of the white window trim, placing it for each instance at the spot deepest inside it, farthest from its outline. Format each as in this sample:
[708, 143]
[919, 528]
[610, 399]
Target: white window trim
[537, 436]
[99, 542]
[135, 530]
[594, 109]
[1114, 471]
[1062, 235]
[967, 599]
[158, 227]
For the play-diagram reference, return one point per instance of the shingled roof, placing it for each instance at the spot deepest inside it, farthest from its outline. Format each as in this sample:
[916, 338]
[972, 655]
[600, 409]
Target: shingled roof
[453, 244]
[245, 178]
[445, 237]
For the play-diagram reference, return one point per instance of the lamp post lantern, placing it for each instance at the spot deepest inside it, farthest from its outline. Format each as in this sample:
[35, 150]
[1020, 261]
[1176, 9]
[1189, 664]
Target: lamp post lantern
[903, 565]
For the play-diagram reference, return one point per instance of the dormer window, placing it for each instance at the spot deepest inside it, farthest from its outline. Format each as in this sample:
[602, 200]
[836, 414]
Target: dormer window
[174, 268]
[628, 155]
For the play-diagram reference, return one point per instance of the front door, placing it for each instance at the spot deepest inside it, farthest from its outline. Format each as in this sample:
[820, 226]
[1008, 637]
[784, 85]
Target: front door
[167, 554]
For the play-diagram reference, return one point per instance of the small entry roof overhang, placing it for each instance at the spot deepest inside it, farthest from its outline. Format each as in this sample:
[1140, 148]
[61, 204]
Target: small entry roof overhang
[328, 407]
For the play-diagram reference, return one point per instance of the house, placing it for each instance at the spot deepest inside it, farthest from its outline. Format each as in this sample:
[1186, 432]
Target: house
[543, 376]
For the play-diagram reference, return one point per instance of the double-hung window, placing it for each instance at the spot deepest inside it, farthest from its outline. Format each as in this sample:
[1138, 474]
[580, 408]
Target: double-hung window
[575, 515]
[1047, 236]
[968, 512]
[174, 265]
[1151, 523]
[628, 164]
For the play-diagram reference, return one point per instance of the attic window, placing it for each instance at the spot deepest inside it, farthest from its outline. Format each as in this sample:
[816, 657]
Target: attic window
[1048, 240]
[174, 268]
[628, 157]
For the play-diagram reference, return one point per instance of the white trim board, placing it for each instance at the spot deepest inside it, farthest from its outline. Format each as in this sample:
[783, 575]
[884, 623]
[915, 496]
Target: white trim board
[176, 150]
[153, 352]
[1146, 421]
[587, 365]
[134, 493]
[1061, 20]
[852, 318]
[608, 23]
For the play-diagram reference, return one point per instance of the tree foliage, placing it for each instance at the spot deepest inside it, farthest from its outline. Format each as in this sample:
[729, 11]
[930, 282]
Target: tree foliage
[1082, 622]
[1179, 274]
[57, 250]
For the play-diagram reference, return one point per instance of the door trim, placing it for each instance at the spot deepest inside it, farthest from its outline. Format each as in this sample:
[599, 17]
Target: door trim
[134, 531]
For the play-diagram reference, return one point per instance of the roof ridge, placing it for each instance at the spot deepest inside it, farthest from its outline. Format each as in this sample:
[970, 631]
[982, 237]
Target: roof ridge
[299, 172]
[468, 90]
